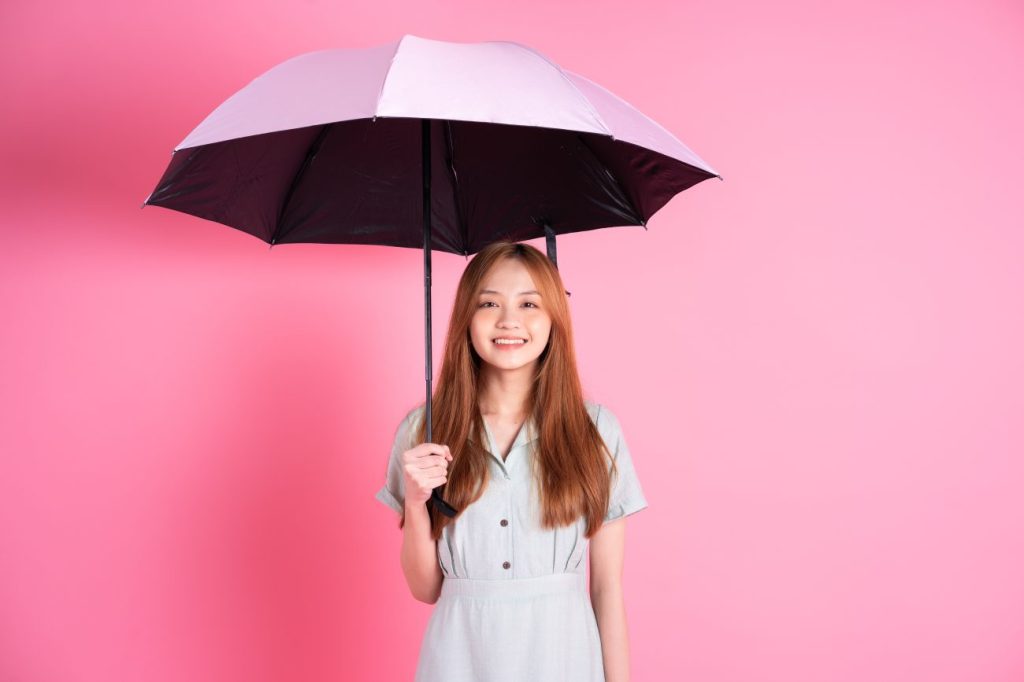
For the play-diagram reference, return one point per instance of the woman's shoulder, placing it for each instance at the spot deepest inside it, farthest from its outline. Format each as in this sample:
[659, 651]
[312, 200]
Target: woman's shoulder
[603, 417]
[415, 415]
[410, 423]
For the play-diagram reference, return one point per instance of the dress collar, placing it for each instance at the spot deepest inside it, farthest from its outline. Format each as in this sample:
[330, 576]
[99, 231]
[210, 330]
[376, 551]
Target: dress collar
[527, 434]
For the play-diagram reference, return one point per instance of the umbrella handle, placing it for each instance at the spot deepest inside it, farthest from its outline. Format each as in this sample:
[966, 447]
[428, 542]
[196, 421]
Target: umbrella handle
[442, 506]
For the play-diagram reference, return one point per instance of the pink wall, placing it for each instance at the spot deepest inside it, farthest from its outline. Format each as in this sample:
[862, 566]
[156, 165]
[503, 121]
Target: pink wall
[817, 362]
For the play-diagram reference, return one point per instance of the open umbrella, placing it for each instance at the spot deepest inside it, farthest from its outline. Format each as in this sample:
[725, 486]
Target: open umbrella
[425, 144]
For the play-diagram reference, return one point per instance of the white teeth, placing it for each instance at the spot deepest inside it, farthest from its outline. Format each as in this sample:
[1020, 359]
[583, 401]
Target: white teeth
[506, 342]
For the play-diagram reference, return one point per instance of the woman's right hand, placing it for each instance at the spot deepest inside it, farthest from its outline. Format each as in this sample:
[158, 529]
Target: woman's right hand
[426, 467]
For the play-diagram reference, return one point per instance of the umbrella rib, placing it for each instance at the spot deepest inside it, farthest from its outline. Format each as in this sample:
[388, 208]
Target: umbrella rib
[618, 185]
[590, 105]
[450, 158]
[297, 178]
[384, 81]
[169, 182]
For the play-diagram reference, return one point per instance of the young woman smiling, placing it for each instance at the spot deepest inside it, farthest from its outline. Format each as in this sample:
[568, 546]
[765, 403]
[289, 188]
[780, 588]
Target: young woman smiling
[540, 475]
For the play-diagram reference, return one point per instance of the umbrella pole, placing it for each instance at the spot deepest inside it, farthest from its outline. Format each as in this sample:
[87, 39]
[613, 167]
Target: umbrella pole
[435, 496]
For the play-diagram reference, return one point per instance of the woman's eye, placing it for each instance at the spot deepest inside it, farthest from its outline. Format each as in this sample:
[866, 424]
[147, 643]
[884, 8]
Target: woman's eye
[487, 303]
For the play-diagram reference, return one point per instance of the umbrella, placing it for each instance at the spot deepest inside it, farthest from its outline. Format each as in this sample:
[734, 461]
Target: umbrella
[425, 144]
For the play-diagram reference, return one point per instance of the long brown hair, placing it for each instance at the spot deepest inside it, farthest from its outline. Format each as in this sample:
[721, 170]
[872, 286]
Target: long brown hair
[571, 470]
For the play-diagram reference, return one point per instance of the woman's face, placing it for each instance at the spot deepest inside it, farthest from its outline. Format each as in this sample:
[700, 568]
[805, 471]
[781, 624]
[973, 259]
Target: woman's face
[509, 307]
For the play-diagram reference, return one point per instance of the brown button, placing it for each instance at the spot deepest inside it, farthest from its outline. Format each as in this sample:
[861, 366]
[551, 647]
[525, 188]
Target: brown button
[504, 522]
[506, 565]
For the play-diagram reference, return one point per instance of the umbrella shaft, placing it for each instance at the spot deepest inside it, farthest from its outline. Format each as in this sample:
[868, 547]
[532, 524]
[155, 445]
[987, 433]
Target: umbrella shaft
[425, 124]
[435, 494]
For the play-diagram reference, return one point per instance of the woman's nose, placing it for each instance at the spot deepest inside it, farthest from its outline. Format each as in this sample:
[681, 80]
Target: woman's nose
[508, 316]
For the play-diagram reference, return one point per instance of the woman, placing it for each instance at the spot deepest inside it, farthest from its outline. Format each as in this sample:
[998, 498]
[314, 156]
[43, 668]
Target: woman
[537, 473]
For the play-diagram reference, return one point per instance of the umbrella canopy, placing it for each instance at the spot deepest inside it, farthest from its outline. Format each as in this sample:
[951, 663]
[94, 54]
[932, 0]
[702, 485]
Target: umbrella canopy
[425, 144]
[326, 148]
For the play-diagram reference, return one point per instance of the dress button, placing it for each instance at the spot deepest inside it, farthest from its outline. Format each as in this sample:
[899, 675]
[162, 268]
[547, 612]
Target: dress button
[504, 522]
[506, 565]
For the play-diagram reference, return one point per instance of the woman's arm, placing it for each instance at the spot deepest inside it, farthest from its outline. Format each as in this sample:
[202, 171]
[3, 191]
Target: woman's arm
[607, 547]
[419, 554]
[423, 468]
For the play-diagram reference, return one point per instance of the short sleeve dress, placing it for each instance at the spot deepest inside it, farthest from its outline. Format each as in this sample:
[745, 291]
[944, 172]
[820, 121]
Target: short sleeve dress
[514, 604]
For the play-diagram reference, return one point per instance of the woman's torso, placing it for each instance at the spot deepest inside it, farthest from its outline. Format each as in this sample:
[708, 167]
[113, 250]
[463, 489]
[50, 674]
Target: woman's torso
[499, 536]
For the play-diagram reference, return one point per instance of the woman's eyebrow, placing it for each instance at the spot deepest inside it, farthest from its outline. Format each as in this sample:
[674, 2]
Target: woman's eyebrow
[521, 293]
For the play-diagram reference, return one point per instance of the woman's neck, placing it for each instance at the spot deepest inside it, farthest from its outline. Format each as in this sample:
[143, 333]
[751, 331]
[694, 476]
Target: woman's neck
[504, 393]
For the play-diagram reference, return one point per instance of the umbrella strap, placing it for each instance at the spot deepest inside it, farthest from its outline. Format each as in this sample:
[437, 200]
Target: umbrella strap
[549, 234]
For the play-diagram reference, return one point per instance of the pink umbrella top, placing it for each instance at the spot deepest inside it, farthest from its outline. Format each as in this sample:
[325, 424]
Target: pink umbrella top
[488, 82]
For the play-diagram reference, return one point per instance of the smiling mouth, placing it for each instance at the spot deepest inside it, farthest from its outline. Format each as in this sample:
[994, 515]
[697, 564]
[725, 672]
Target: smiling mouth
[509, 342]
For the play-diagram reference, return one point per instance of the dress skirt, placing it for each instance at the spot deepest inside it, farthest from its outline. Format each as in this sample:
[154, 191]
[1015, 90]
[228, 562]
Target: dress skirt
[538, 629]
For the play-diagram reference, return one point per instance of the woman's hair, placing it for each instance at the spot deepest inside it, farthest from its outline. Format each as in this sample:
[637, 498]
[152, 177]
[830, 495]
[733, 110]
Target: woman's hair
[571, 470]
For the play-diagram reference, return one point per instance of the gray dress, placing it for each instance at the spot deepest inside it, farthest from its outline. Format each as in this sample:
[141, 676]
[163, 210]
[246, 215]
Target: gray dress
[514, 604]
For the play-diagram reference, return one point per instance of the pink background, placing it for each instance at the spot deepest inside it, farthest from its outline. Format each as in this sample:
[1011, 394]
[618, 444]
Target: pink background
[817, 362]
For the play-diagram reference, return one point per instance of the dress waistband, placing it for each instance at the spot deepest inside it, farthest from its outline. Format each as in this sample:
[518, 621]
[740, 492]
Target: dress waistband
[555, 583]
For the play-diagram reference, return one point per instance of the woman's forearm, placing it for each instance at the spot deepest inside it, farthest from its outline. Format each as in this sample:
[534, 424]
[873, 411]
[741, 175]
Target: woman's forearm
[419, 555]
[610, 610]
